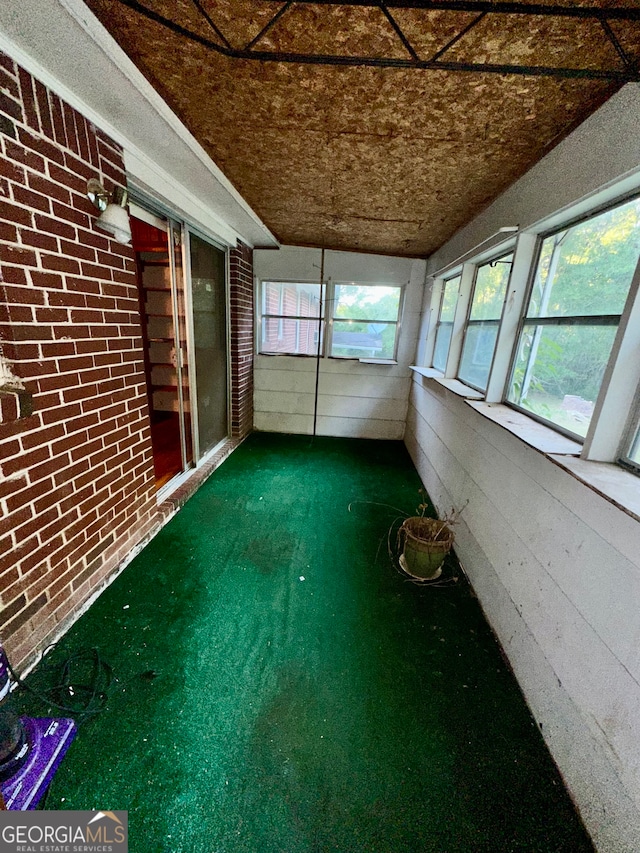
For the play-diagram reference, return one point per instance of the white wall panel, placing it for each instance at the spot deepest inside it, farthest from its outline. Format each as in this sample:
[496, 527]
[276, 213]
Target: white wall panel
[557, 569]
[555, 563]
[354, 399]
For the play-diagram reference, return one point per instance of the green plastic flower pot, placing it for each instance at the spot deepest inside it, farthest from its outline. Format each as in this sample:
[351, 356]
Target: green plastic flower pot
[425, 543]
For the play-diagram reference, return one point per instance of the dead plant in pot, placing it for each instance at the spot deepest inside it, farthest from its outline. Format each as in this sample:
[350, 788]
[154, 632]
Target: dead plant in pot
[423, 542]
[418, 544]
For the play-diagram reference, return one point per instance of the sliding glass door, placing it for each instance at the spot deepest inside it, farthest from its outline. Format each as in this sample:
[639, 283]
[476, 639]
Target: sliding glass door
[209, 306]
[183, 308]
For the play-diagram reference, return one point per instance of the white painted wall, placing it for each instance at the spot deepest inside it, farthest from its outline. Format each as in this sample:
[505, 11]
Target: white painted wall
[555, 564]
[354, 399]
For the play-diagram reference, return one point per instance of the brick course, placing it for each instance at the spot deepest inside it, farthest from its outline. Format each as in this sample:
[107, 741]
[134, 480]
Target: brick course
[77, 489]
[78, 467]
[242, 340]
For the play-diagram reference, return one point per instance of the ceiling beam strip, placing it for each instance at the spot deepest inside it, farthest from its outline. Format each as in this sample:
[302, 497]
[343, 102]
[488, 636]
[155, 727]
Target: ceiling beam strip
[405, 41]
[621, 76]
[211, 22]
[457, 38]
[503, 7]
[268, 25]
[628, 74]
[622, 53]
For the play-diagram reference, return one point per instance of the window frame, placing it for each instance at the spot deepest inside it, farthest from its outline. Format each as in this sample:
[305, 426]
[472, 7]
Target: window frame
[332, 301]
[616, 415]
[326, 318]
[318, 321]
[582, 319]
[497, 258]
[439, 323]
[631, 437]
[631, 433]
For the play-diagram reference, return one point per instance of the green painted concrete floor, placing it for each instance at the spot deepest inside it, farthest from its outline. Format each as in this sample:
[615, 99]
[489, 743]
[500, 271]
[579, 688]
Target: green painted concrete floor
[281, 688]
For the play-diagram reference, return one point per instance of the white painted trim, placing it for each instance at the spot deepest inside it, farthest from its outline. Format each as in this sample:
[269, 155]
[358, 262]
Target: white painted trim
[427, 372]
[535, 434]
[619, 384]
[499, 243]
[114, 52]
[144, 215]
[431, 311]
[508, 330]
[467, 279]
[136, 162]
[151, 181]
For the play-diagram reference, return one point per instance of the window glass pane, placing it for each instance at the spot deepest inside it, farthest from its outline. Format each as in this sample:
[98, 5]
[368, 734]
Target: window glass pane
[490, 288]
[285, 309]
[363, 340]
[449, 299]
[441, 350]
[209, 305]
[289, 335]
[634, 453]
[365, 321]
[366, 302]
[558, 372]
[291, 299]
[481, 333]
[477, 353]
[587, 269]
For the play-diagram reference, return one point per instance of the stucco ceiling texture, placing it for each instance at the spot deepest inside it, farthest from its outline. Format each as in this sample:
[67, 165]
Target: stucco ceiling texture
[390, 160]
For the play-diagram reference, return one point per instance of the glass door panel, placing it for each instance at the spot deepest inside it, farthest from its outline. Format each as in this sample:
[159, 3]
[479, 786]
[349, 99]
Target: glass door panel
[160, 298]
[209, 303]
[180, 315]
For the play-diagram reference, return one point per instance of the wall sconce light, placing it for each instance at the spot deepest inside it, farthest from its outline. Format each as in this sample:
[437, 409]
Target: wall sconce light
[114, 218]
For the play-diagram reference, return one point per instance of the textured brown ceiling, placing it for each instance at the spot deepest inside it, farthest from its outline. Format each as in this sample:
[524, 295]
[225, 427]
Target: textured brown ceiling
[385, 160]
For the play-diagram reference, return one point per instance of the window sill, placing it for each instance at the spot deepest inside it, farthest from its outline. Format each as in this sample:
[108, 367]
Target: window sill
[377, 361]
[612, 482]
[534, 434]
[288, 354]
[454, 385]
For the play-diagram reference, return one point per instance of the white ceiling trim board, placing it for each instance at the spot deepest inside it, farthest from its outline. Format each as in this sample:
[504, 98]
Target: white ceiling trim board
[64, 45]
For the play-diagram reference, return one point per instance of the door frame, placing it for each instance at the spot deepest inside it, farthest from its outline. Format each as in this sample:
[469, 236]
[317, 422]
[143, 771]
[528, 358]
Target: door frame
[158, 214]
[191, 353]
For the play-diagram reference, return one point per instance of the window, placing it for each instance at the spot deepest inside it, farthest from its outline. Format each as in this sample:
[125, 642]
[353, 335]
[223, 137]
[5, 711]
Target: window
[634, 452]
[481, 331]
[582, 278]
[629, 454]
[290, 318]
[444, 325]
[365, 321]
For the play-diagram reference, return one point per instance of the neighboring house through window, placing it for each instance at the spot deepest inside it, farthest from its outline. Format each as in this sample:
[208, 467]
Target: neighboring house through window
[364, 319]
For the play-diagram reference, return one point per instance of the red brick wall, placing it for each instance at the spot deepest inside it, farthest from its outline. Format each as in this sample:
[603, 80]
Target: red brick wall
[77, 489]
[76, 475]
[242, 340]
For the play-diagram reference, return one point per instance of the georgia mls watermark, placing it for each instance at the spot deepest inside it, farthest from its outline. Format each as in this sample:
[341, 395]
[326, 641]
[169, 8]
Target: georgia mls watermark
[63, 832]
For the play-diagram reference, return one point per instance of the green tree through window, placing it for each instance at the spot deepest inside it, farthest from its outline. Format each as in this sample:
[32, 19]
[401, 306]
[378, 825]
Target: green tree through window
[580, 287]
